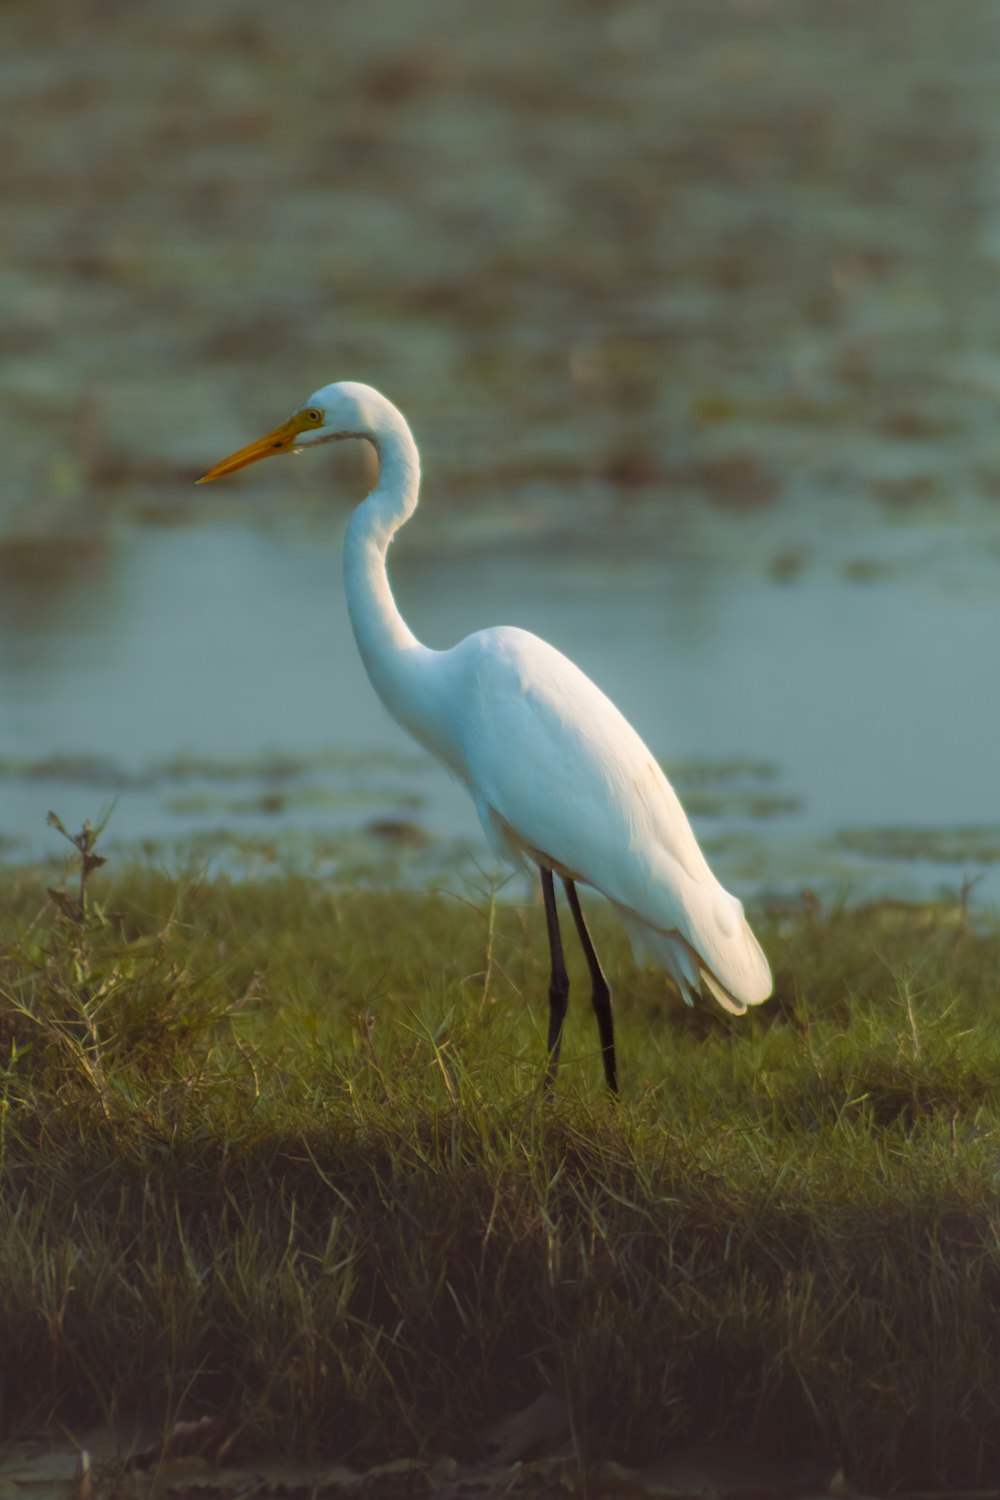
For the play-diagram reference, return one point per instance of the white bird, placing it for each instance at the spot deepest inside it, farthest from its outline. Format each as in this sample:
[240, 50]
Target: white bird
[559, 778]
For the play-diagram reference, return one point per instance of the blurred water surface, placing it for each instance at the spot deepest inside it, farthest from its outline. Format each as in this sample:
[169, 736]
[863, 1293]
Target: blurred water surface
[696, 313]
[207, 681]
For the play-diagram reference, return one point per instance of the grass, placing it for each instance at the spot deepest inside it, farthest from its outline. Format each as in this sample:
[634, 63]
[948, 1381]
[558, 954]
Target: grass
[277, 1154]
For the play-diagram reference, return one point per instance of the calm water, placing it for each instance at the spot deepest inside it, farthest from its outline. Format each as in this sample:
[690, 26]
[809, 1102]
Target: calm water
[207, 682]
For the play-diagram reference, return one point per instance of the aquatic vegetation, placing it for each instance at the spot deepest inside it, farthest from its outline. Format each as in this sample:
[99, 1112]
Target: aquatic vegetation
[267, 766]
[976, 844]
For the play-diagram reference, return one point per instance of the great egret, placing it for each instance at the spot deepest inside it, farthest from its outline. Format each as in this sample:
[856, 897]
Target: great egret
[559, 778]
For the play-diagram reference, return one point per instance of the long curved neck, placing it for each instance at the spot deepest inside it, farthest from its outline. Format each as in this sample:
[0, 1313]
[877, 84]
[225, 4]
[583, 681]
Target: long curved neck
[379, 628]
[398, 665]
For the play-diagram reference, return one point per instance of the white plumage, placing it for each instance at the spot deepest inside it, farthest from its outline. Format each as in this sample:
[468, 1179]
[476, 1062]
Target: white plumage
[558, 776]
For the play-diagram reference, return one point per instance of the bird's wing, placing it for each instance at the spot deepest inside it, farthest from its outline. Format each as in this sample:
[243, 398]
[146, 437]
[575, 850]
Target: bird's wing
[550, 756]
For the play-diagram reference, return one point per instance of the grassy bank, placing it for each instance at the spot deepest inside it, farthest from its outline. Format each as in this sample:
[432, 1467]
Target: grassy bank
[276, 1153]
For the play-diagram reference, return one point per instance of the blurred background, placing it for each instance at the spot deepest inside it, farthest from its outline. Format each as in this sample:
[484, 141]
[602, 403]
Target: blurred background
[693, 310]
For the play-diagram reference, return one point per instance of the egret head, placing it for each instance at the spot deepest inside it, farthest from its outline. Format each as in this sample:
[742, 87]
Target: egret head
[342, 410]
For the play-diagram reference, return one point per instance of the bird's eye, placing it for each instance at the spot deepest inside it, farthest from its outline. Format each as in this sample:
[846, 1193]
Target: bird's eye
[314, 414]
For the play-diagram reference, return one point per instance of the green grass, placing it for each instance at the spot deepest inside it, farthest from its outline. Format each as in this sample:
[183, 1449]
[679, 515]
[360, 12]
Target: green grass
[278, 1153]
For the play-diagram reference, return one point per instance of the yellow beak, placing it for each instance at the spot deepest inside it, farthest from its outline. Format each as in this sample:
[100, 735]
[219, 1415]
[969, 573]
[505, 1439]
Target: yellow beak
[281, 440]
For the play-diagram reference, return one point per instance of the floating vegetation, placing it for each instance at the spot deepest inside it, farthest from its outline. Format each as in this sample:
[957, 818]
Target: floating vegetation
[280, 803]
[709, 772]
[973, 844]
[730, 787]
[740, 804]
[104, 773]
[97, 771]
[398, 832]
[789, 563]
[865, 569]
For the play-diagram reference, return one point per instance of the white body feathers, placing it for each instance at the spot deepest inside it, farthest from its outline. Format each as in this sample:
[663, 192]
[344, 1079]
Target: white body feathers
[557, 774]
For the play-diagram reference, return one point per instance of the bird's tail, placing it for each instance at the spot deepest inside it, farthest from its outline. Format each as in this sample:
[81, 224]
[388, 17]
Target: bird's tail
[691, 972]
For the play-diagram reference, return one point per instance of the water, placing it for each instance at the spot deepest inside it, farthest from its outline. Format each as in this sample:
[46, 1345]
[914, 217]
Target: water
[702, 364]
[205, 680]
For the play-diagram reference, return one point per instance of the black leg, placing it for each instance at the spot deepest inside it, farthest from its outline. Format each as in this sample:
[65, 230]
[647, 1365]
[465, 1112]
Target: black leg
[600, 995]
[558, 983]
